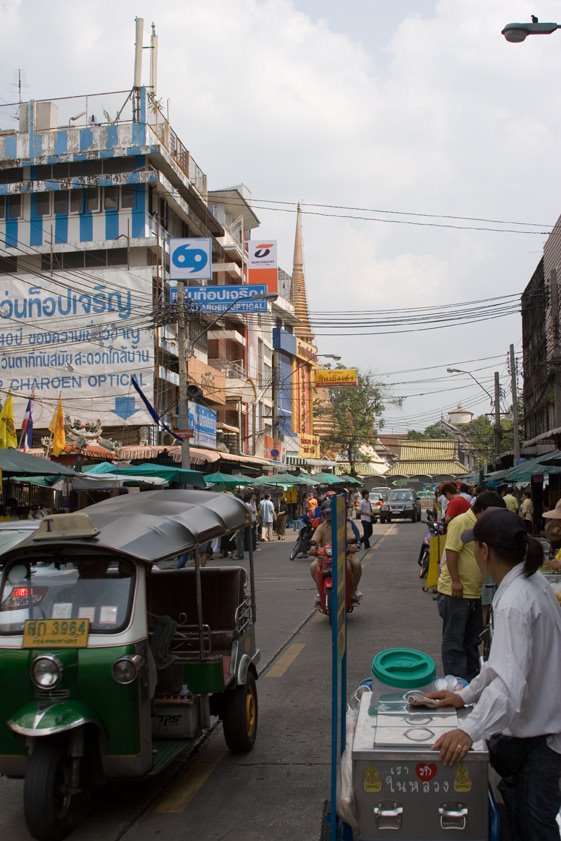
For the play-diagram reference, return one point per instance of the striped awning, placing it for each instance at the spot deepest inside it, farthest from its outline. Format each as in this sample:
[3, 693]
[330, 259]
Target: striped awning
[427, 468]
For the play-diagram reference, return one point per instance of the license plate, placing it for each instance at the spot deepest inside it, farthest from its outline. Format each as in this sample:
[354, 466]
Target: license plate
[56, 633]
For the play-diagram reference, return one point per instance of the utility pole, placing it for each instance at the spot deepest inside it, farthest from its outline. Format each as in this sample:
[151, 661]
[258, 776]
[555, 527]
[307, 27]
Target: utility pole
[182, 368]
[555, 359]
[514, 391]
[498, 430]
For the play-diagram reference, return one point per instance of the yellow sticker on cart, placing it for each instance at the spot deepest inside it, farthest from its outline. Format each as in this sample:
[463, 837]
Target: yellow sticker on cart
[56, 633]
[462, 779]
[372, 782]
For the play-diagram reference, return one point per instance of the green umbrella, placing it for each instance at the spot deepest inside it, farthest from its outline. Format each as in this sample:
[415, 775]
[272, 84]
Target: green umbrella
[228, 479]
[284, 480]
[348, 480]
[328, 479]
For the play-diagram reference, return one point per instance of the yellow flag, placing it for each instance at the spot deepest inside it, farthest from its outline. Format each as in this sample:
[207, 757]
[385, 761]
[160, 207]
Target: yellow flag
[56, 428]
[8, 436]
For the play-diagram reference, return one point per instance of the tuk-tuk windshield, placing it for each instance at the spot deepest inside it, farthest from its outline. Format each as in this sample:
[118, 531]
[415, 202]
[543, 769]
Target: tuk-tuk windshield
[99, 589]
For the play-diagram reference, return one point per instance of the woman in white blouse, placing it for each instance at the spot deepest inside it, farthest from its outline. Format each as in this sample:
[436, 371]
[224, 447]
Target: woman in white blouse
[517, 695]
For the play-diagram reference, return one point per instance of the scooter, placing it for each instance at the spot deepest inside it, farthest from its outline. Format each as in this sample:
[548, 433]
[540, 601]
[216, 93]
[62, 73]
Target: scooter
[325, 584]
[304, 539]
[434, 529]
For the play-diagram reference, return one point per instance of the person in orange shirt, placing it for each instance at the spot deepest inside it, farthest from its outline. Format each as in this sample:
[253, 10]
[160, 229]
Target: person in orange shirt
[311, 504]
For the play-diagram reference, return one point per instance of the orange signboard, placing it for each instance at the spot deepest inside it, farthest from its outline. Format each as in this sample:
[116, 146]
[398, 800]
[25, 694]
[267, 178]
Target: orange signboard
[336, 378]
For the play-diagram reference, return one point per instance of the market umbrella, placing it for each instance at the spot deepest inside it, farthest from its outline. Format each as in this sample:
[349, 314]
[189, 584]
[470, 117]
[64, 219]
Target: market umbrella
[348, 480]
[328, 479]
[170, 474]
[227, 479]
[284, 480]
[14, 461]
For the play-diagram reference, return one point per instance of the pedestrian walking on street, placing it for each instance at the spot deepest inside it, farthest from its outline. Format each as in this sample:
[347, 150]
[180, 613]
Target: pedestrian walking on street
[267, 511]
[282, 513]
[365, 509]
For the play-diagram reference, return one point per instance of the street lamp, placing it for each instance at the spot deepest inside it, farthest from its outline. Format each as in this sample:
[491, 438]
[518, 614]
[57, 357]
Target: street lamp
[460, 371]
[328, 356]
[517, 32]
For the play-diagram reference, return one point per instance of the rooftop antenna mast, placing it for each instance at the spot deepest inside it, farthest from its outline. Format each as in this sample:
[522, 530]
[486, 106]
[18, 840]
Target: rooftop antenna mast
[153, 61]
[137, 82]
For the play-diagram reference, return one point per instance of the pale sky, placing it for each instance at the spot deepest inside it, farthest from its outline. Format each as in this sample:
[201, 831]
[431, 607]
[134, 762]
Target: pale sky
[403, 107]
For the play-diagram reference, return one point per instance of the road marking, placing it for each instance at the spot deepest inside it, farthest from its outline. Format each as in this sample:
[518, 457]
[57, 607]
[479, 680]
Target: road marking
[285, 660]
[187, 786]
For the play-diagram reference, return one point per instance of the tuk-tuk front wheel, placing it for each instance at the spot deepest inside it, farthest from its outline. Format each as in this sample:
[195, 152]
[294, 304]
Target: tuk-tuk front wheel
[47, 790]
[240, 716]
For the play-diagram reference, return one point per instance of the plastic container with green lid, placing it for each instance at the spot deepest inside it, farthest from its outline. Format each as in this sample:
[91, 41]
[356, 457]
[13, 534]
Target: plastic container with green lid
[395, 670]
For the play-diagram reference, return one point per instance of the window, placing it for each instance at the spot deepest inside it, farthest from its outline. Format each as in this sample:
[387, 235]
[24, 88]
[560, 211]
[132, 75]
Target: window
[92, 200]
[117, 257]
[61, 202]
[14, 207]
[8, 265]
[2, 208]
[11, 176]
[128, 197]
[76, 201]
[111, 198]
[73, 260]
[96, 258]
[61, 170]
[43, 204]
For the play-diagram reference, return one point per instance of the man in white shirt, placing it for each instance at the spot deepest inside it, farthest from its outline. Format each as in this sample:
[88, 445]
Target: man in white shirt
[267, 512]
[365, 509]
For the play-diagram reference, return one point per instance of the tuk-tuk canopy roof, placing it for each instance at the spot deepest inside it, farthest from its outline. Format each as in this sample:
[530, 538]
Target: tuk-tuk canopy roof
[150, 526]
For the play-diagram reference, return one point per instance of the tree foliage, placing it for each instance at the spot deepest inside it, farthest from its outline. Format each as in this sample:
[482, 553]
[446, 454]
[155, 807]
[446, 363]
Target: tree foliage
[355, 417]
[433, 431]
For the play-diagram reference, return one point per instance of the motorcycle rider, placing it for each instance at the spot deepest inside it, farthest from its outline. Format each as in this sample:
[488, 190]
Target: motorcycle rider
[322, 538]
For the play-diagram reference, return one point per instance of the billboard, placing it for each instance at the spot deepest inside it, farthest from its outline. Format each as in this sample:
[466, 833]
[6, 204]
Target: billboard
[203, 422]
[81, 340]
[262, 263]
[222, 298]
[336, 377]
[190, 258]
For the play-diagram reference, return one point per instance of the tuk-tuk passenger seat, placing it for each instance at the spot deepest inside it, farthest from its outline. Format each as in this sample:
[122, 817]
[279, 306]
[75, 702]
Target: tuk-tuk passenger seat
[173, 592]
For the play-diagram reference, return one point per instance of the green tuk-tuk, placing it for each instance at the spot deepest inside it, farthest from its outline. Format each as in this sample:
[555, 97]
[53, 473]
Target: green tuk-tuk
[110, 666]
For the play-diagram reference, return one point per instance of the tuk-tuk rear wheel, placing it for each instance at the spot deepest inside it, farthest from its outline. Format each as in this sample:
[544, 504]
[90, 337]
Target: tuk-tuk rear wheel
[47, 792]
[240, 716]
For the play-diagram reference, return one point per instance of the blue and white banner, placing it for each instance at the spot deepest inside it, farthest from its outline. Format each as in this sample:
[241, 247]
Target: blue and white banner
[203, 422]
[80, 340]
[221, 298]
[190, 258]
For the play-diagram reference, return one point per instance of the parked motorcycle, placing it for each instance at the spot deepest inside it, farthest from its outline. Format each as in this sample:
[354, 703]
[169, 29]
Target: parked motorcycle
[434, 530]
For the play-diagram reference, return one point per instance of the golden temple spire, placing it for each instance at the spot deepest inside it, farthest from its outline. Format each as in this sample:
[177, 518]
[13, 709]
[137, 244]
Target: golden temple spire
[302, 328]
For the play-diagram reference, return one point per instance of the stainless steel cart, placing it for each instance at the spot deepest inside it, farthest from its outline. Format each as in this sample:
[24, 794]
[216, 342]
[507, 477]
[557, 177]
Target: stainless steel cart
[401, 788]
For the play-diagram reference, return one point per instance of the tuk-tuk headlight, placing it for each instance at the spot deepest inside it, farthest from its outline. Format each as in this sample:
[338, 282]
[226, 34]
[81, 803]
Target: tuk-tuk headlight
[126, 669]
[46, 671]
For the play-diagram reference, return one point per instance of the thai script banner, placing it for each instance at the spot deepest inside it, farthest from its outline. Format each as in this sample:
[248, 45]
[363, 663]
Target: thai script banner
[223, 298]
[203, 422]
[77, 335]
[336, 377]
[309, 446]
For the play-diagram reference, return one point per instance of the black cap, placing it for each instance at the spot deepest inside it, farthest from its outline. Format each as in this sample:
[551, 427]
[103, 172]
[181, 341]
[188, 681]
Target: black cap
[497, 527]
